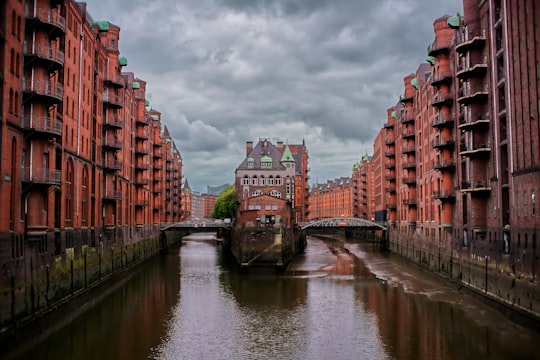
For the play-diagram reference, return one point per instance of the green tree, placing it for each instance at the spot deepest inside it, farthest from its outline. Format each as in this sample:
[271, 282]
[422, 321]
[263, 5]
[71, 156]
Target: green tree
[225, 205]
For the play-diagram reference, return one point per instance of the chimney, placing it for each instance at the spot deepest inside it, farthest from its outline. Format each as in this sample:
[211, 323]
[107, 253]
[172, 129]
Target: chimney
[280, 145]
[249, 147]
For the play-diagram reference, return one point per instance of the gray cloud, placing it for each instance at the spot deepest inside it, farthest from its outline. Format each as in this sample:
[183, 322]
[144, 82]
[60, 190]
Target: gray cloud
[226, 71]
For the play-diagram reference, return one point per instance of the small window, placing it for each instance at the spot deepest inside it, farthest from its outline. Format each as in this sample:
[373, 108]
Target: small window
[278, 180]
[254, 181]
[533, 203]
[262, 181]
[245, 180]
[271, 180]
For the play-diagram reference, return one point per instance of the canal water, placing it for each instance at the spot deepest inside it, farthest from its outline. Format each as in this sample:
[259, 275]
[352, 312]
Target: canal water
[336, 301]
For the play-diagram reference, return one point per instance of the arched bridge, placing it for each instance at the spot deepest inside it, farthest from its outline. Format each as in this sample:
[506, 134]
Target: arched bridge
[195, 225]
[342, 222]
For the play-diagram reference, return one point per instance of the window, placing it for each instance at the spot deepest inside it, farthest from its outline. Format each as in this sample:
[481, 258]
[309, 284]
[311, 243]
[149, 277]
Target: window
[250, 164]
[12, 62]
[271, 180]
[275, 193]
[524, 203]
[278, 180]
[254, 181]
[533, 203]
[262, 181]
[256, 193]
[517, 203]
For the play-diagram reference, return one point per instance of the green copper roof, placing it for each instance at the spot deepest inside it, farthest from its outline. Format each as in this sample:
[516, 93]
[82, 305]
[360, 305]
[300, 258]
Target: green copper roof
[136, 85]
[453, 22]
[430, 59]
[266, 159]
[287, 156]
[414, 82]
[250, 159]
[394, 114]
[103, 25]
[365, 157]
[146, 103]
[155, 117]
[122, 60]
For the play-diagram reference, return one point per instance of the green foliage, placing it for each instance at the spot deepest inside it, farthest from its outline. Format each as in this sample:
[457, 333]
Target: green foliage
[225, 205]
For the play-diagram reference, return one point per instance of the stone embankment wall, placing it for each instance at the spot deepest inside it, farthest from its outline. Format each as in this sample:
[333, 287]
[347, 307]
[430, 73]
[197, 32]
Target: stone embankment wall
[515, 293]
[35, 290]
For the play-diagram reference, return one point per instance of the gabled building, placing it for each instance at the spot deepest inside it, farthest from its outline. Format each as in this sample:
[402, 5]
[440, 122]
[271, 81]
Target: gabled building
[266, 183]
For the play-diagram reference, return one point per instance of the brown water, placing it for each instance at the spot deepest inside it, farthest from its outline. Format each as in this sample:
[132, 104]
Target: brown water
[334, 302]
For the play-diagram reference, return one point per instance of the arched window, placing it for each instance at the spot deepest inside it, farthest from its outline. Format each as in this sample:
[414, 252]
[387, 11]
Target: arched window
[245, 180]
[19, 27]
[278, 180]
[262, 180]
[270, 180]
[12, 62]
[10, 105]
[69, 186]
[84, 197]
[17, 66]
[13, 23]
[16, 104]
[254, 180]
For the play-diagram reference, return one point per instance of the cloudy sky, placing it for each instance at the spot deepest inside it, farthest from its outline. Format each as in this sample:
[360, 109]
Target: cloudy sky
[223, 72]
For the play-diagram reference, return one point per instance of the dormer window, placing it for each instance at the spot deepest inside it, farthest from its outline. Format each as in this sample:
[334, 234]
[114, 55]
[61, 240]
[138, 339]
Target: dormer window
[250, 163]
[266, 162]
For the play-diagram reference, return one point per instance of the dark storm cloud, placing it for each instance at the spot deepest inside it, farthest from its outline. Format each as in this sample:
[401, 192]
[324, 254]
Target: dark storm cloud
[226, 71]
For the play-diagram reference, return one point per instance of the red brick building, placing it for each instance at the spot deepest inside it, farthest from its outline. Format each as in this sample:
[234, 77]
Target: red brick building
[271, 184]
[332, 199]
[83, 158]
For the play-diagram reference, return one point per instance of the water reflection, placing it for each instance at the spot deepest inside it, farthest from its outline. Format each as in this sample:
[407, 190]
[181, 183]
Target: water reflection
[335, 301]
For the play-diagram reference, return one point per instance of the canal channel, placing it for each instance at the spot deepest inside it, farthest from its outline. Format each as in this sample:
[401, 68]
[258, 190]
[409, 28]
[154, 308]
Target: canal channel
[335, 301]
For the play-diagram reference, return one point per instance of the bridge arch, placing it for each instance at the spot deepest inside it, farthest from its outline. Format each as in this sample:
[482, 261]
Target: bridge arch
[337, 222]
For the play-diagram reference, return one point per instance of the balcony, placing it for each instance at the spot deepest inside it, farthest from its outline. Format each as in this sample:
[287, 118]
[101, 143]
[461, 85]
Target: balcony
[115, 80]
[142, 120]
[408, 149]
[111, 143]
[391, 189]
[41, 176]
[390, 165]
[409, 180]
[51, 56]
[142, 148]
[390, 177]
[142, 165]
[388, 126]
[141, 181]
[440, 99]
[389, 141]
[405, 99]
[112, 164]
[445, 195]
[476, 149]
[443, 143]
[479, 187]
[114, 122]
[442, 78]
[438, 121]
[113, 101]
[409, 165]
[391, 204]
[466, 71]
[409, 202]
[482, 121]
[141, 134]
[476, 42]
[390, 154]
[408, 133]
[41, 124]
[141, 203]
[43, 88]
[407, 119]
[112, 195]
[476, 94]
[437, 48]
[444, 164]
[55, 23]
